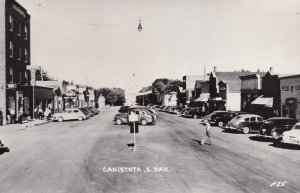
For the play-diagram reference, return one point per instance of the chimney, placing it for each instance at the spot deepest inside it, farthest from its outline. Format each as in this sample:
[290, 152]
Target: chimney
[271, 70]
[215, 69]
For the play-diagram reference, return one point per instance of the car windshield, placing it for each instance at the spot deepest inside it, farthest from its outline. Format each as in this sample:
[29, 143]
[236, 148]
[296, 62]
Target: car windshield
[297, 127]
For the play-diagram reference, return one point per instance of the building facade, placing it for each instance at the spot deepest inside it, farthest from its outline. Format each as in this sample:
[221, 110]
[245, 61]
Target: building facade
[290, 96]
[225, 90]
[14, 57]
[189, 86]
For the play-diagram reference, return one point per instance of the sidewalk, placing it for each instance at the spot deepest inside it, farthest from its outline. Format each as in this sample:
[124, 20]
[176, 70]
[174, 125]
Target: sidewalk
[28, 123]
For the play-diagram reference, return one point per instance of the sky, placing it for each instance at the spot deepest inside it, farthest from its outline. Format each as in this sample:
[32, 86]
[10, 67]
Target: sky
[97, 42]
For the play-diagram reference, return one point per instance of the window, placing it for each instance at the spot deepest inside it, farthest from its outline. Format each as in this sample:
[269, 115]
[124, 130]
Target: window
[259, 119]
[11, 23]
[20, 30]
[20, 54]
[26, 32]
[11, 75]
[76, 111]
[11, 49]
[247, 119]
[252, 119]
[26, 77]
[26, 55]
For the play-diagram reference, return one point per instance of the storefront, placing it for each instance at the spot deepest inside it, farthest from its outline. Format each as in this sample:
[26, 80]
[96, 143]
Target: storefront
[290, 96]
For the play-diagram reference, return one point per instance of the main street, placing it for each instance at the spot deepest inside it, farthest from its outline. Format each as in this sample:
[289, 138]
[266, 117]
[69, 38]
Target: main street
[94, 156]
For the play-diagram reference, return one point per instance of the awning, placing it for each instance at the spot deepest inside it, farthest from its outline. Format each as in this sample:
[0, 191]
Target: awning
[265, 101]
[203, 97]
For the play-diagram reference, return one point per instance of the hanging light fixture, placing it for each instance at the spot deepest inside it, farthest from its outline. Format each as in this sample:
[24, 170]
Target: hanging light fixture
[140, 25]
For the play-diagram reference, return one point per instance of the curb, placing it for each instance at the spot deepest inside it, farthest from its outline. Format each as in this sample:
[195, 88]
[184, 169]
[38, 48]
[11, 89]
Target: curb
[43, 123]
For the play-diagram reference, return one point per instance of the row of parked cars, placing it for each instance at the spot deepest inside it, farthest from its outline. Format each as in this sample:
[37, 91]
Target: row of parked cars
[146, 115]
[280, 129]
[76, 114]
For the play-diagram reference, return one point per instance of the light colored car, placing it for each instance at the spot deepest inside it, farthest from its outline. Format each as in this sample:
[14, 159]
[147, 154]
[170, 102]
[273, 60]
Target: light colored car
[69, 114]
[246, 123]
[292, 136]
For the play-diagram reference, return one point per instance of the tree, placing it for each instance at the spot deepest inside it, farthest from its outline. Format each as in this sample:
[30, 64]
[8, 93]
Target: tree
[113, 96]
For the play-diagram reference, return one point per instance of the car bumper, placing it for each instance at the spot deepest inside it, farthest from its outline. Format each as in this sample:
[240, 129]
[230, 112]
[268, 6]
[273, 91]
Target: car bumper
[290, 140]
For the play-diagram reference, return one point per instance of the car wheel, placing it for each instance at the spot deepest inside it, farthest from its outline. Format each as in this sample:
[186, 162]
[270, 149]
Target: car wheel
[118, 122]
[144, 122]
[246, 130]
[80, 118]
[220, 124]
[60, 119]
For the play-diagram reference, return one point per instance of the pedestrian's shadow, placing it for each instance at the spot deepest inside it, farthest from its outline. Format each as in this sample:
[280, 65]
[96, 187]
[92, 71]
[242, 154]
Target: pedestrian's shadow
[199, 141]
[3, 150]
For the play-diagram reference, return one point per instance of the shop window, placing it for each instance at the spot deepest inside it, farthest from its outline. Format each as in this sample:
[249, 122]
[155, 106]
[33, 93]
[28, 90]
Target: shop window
[25, 32]
[11, 23]
[11, 49]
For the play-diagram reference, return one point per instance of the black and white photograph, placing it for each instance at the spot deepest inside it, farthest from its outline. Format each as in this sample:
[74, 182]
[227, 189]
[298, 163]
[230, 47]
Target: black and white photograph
[149, 96]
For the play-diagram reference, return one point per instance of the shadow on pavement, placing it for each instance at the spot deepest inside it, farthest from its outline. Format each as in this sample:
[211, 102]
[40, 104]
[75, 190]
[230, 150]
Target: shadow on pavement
[199, 141]
[261, 139]
[230, 131]
[3, 150]
[286, 146]
[130, 144]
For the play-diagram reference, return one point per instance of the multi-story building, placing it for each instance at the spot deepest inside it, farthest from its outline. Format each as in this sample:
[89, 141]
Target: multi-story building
[14, 57]
[290, 96]
[225, 90]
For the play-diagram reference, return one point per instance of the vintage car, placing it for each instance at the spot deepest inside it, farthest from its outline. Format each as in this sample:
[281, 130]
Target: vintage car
[292, 136]
[221, 118]
[245, 123]
[275, 126]
[144, 117]
[69, 114]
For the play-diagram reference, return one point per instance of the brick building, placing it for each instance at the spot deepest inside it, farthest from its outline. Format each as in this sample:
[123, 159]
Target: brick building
[14, 57]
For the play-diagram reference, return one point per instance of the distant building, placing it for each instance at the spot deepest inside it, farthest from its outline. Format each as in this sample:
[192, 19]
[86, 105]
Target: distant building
[189, 86]
[170, 99]
[101, 101]
[14, 57]
[251, 86]
[290, 96]
[224, 89]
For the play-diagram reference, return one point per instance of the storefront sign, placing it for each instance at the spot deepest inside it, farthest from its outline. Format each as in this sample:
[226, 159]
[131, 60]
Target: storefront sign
[11, 86]
[290, 88]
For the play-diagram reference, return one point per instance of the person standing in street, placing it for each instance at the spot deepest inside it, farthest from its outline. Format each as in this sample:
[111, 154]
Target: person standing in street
[20, 116]
[207, 138]
[12, 115]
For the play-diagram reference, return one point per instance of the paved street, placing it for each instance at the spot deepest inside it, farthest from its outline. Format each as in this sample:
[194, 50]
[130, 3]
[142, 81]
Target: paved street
[93, 156]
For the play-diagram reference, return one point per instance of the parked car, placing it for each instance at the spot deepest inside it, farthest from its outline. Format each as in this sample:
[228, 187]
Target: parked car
[145, 117]
[209, 116]
[69, 114]
[89, 110]
[176, 110]
[183, 111]
[123, 109]
[222, 118]
[276, 126]
[246, 123]
[193, 113]
[87, 113]
[154, 113]
[292, 136]
[94, 109]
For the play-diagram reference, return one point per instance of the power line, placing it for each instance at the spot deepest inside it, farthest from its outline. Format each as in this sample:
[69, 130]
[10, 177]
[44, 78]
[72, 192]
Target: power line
[83, 22]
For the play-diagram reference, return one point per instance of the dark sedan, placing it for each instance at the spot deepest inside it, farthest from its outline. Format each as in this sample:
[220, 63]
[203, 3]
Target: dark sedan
[276, 126]
[222, 118]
